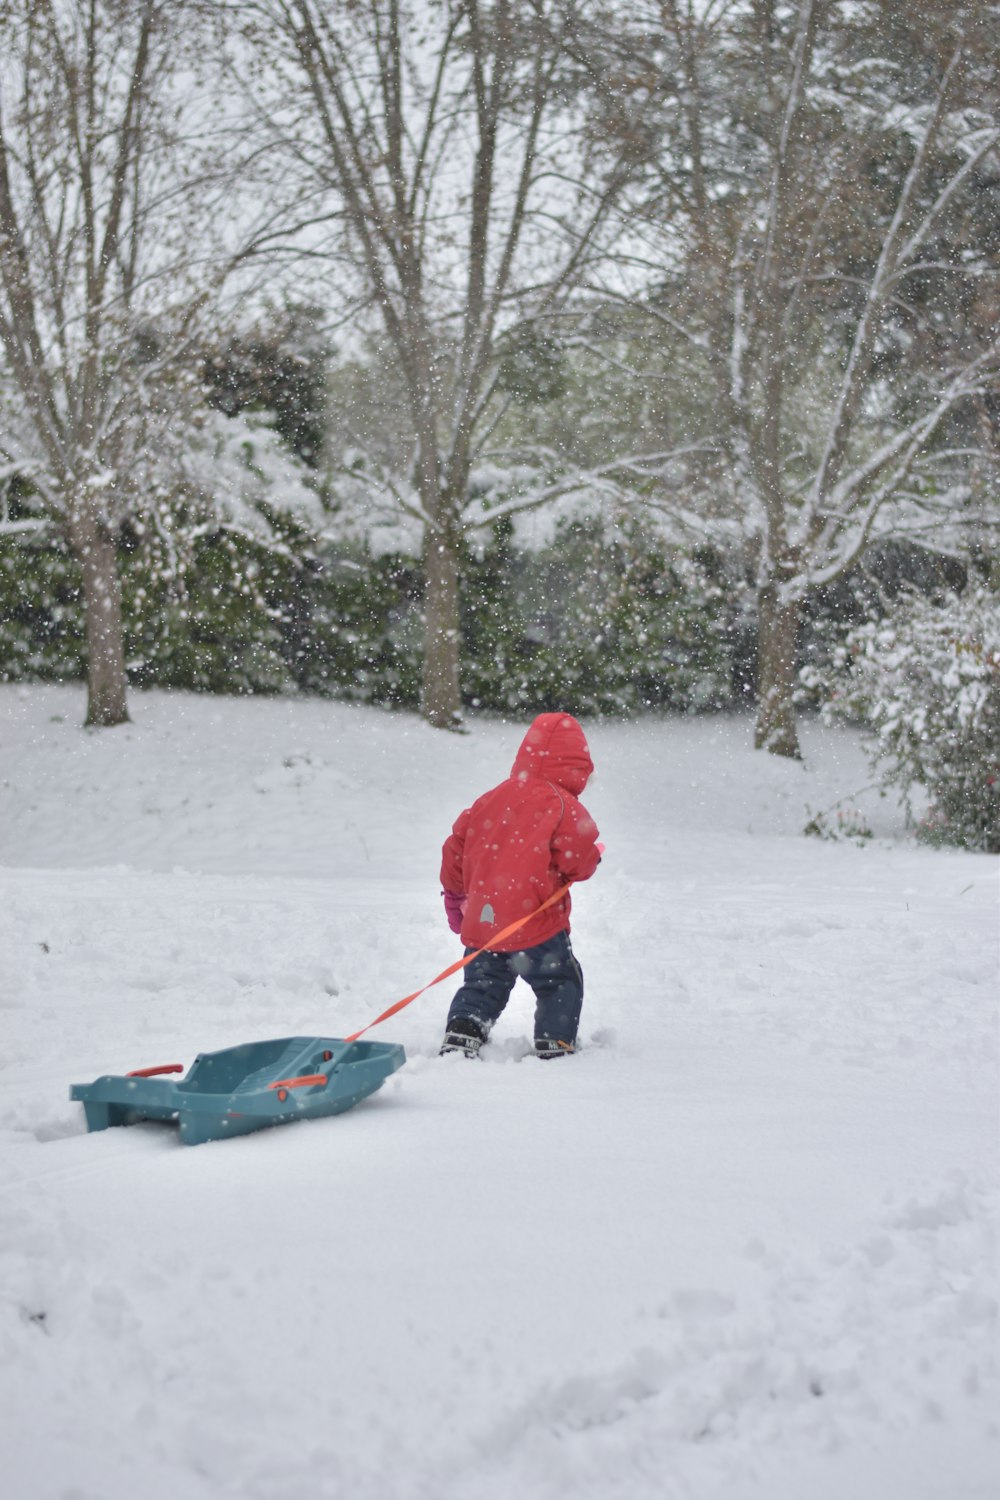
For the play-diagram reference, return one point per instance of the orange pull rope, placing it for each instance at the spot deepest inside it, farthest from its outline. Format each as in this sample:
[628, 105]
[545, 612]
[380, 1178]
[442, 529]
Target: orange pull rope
[459, 964]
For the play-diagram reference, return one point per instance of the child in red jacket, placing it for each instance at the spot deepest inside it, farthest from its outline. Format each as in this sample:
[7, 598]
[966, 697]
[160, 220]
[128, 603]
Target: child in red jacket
[507, 854]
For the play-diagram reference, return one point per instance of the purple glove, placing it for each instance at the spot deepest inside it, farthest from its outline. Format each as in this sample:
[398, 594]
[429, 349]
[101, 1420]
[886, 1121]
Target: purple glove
[454, 907]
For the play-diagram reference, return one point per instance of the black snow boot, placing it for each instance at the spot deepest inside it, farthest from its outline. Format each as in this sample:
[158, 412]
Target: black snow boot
[465, 1036]
[546, 1046]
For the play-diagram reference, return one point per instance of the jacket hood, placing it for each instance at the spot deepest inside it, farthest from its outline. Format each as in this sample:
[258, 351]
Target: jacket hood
[555, 748]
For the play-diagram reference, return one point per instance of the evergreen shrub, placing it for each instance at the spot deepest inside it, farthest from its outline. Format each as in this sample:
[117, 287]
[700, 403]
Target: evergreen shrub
[41, 623]
[220, 612]
[925, 679]
[597, 626]
[589, 625]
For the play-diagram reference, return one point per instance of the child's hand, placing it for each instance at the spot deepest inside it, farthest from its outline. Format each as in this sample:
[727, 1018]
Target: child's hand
[454, 906]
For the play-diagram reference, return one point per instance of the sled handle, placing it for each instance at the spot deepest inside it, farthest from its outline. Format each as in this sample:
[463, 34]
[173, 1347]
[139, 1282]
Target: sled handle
[152, 1072]
[303, 1081]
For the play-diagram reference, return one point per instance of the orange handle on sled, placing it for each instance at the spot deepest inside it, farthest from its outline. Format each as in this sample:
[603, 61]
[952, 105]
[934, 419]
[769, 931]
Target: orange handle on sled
[300, 1082]
[460, 963]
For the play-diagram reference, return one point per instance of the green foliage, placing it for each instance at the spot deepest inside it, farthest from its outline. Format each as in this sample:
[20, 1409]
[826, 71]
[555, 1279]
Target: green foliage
[531, 367]
[595, 627]
[278, 368]
[925, 679]
[205, 623]
[839, 824]
[228, 615]
[497, 651]
[41, 622]
[362, 639]
[590, 625]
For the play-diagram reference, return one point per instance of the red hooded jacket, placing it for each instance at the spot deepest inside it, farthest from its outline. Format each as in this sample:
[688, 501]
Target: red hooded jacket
[520, 842]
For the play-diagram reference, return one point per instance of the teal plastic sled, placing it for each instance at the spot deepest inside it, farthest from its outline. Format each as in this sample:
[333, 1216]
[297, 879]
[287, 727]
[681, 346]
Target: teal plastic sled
[244, 1088]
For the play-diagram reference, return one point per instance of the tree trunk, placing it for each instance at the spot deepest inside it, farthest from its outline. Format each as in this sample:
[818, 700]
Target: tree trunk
[442, 698]
[777, 634]
[94, 550]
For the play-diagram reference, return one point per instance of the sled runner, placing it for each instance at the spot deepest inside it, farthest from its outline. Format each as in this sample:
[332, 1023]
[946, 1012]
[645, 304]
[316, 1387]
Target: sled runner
[243, 1088]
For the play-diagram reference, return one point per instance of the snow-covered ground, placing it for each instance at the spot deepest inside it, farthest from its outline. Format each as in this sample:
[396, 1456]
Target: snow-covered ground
[742, 1245]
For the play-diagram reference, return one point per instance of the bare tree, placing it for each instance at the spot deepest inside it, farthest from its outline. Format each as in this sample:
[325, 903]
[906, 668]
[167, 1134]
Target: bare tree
[814, 177]
[93, 252]
[447, 134]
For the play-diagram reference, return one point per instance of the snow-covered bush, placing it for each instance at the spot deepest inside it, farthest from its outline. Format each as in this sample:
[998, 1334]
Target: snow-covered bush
[41, 616]
[234, 615]
[249, 599]
[925, 679]
[596, 624]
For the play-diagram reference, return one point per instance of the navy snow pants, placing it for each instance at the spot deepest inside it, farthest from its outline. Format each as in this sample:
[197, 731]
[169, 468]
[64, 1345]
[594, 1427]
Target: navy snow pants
[552, 971]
